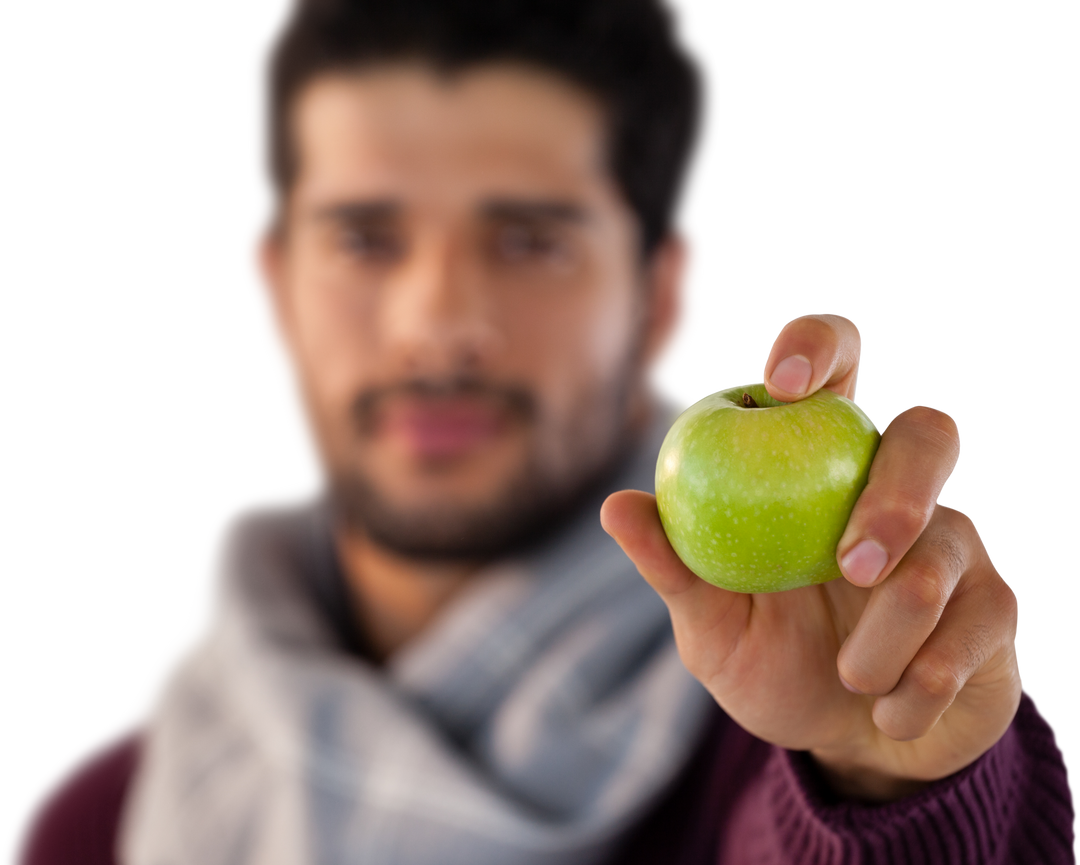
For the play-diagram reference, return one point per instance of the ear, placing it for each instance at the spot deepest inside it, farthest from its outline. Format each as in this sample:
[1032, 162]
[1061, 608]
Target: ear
[261, 269]
[273, 264]
[664, 275]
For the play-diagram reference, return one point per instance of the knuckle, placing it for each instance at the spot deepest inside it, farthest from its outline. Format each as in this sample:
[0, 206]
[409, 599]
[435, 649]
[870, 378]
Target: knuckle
[1006, 602]
[813, 332]
[826, 329]
[936, 677]
[901, 726]
[948, 549]
[821, 325]
[922, 586]
[936, 426]
[1004, 598]
[952, 540]
[1003, 602]
[857, 677]
[966, 527]
[974, 644]
[904, 515]
[957, 522]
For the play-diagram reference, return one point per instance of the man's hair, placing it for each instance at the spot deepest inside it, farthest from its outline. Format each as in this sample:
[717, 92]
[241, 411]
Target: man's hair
[622, 51]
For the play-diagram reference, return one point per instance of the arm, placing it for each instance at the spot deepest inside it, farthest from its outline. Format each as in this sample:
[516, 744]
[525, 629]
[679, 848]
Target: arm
[1009, 806]
[900, 675]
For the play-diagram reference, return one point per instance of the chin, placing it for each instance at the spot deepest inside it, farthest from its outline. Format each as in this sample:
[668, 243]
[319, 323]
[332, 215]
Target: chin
[463, 517]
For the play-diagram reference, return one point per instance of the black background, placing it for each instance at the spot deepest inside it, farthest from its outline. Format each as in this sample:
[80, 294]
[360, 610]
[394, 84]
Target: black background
[864, 166]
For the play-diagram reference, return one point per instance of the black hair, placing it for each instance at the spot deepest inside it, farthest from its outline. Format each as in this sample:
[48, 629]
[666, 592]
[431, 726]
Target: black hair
[622, 51]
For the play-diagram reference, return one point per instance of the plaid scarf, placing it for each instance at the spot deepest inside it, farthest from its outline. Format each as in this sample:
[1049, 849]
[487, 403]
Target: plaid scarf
[539, 716]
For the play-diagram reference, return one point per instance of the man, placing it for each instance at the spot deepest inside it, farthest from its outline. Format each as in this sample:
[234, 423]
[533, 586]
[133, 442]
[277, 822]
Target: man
[446, 660]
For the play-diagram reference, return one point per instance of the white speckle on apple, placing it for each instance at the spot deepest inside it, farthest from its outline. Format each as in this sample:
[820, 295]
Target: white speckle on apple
[719, 450]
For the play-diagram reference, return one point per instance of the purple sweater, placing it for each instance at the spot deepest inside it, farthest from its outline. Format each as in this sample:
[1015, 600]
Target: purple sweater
[740, 801]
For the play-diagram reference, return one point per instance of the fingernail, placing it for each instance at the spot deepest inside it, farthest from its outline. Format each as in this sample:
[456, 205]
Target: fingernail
[792, 374]
[864, 562]
[853, 690]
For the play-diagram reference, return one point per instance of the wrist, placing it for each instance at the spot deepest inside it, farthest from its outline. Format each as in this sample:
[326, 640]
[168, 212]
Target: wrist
[850, 780]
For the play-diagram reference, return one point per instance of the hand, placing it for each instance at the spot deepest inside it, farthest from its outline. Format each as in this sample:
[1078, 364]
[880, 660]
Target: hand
[899, 674]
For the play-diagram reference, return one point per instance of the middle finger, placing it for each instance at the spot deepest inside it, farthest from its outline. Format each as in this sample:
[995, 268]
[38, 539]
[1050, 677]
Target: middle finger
[904, 610]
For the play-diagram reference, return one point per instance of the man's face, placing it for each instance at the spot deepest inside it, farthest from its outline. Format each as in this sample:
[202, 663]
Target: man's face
[461, 287]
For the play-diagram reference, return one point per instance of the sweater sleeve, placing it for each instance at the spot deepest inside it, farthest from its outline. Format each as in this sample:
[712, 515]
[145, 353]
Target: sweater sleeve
[1012, 805]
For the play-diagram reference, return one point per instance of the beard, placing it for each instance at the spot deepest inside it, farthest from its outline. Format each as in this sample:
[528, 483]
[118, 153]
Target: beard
[566, 465]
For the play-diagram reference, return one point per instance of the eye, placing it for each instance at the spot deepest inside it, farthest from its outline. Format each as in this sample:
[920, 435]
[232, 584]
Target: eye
[374, 243]
[524, 242]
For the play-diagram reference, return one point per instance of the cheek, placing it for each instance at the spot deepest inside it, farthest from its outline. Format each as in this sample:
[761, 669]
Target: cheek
[611, 332]
[330, 319]
[574, 340]
[605, 318]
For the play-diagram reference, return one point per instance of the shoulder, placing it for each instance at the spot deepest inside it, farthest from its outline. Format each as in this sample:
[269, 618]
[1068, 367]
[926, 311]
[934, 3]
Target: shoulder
[285, 503]
[78, 823]
[277, 532]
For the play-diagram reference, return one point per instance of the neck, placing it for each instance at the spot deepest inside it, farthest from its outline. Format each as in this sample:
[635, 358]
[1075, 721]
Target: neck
[394, 597]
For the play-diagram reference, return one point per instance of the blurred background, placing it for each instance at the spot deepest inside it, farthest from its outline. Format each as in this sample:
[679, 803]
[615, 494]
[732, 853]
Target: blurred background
[910, 166]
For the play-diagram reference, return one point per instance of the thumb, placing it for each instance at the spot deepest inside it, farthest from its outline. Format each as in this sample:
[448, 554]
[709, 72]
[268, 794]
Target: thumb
[696, 607]
[631, 518]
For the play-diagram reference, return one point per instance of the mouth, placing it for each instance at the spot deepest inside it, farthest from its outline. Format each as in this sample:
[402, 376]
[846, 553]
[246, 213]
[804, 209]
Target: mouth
[441, 429]
[441, 424]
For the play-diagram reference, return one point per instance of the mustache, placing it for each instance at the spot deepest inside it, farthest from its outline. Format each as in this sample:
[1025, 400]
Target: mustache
[516, 401]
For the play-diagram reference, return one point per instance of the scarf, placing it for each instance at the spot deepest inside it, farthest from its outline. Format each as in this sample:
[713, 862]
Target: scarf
[533, 722]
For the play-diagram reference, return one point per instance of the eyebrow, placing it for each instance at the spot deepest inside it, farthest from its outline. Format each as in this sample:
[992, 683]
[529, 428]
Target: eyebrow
[529, 210]
[509, 209]
[376, 210]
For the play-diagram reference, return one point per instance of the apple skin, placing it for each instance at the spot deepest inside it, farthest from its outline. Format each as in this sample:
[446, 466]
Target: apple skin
[756, 499]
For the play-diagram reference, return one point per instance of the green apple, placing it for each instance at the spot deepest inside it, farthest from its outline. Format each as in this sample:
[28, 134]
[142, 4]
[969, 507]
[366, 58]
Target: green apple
[754, 494]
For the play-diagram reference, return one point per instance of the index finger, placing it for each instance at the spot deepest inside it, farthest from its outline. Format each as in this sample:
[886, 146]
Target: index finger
[917, 454]
[811, 353]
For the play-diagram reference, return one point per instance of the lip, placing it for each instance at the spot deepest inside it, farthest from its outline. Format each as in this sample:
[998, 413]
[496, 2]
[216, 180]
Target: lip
[440, 429]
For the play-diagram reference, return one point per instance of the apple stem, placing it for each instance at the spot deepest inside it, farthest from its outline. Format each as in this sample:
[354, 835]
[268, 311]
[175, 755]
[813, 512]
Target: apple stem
[748, 401]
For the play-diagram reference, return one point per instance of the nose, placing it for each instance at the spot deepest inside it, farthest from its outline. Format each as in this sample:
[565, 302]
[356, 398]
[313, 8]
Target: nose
[438, 313]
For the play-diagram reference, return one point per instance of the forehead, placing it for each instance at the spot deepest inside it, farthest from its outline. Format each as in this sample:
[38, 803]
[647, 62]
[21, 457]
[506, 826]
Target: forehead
[408, 130]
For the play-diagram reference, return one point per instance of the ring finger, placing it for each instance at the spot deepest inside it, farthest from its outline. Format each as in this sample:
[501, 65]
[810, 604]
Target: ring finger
[904, 610]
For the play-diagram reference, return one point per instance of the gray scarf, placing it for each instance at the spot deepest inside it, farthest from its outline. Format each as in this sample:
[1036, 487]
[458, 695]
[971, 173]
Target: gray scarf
[534, 722]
